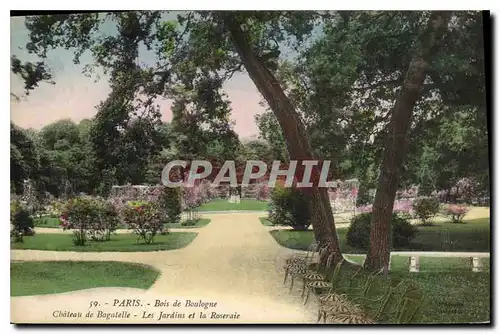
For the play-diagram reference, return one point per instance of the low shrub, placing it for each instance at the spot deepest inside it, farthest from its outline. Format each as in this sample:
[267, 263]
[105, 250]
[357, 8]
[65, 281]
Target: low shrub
[425, 209]
[21, 221]
[289, 207]
[145, 218]
[455, 212]
[358, 232]
[403, 231]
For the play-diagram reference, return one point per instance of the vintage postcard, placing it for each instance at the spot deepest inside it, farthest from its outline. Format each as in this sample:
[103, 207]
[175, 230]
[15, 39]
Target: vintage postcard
[250, 167]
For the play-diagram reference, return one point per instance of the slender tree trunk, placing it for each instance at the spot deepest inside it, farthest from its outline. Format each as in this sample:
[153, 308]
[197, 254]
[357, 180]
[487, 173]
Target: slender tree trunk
[396, 141]
[297, 141]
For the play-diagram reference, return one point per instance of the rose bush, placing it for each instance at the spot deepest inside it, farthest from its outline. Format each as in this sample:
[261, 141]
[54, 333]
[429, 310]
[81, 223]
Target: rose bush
[91, 218]
[455, 212]
[402, 207]
[144, 218]
[262, 192]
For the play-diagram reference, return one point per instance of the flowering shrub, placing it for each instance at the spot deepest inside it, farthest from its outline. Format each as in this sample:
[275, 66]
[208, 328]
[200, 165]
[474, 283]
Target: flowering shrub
[121, 195]
[407, 193]
[425, 209]
[455, 212]
[145, 218]
[189, 198]
[262, 192]
[54, 208]
[204, 191]
[343, 197]
[465, 190]
[118, 203]
[364, 208]
[91, 218]
[401, 207]
[101, 228]
[78, 214]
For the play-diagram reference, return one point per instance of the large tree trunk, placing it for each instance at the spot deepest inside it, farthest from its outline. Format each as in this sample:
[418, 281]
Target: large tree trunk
[396, 141]
[297, 141]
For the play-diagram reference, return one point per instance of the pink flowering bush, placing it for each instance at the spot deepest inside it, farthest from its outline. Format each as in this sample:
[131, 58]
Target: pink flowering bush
[144, 218]
[205, 192]
[121, 195]
[364, 208]
[455, 212]
[191, 199]
[407, 193]
[332, 194]
[401, 207]
[212, 193]
[262, 192]
[91, 218]
[464, 190]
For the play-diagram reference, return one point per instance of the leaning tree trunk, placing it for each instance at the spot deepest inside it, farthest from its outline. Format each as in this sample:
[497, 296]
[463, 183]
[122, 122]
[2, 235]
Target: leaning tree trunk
[297, 141]
[396, 141]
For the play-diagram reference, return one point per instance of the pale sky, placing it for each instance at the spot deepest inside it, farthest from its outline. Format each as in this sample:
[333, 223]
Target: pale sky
[75, 96]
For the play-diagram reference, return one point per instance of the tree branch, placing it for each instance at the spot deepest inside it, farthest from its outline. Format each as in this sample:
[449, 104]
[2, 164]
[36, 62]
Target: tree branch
[393, 82]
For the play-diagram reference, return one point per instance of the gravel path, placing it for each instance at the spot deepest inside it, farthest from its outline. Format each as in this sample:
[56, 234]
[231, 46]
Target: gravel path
[233, 261]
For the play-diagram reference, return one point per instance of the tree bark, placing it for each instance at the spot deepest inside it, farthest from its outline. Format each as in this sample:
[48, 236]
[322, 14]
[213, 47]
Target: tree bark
[297, 141]
[396, 141]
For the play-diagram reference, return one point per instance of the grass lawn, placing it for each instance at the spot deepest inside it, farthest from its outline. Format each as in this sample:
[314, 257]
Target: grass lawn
[200, 223]
[47, 222]
[118, 243]
[37, 278]
[265, 221]
[472, 236]
[55, 223]
[429, 264]
[224, 205]
[452, 292]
